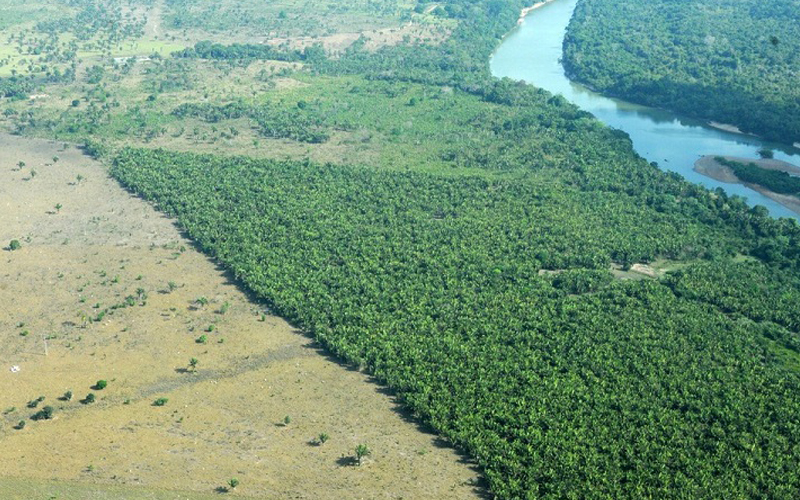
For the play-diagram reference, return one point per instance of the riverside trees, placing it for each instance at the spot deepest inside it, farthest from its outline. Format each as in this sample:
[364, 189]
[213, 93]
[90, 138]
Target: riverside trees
[707, 58]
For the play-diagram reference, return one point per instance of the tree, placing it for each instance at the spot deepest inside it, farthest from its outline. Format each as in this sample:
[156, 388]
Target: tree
[766, 153]
[193, 364]
[45, 413]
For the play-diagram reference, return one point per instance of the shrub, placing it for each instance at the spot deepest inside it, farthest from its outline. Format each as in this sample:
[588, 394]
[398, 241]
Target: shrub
[160, 402]
[766, 153]
[100, 385]
[45, 413]
[361, 451]
[90, 398]
[14, 245]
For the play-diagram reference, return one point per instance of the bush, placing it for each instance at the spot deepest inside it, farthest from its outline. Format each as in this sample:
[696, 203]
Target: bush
[160, 402]
[100, 385]
[361, 451]
[45, 413]
[14, 245]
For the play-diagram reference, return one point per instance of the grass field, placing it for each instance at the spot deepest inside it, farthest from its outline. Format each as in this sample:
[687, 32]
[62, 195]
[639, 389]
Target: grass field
[118, 294]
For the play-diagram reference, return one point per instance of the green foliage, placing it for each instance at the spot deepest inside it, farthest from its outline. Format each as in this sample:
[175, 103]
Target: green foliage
[557, 382]
[45, 413]
[100, 385]
[362, 451]
[160, 402]
[90, 398]
[323, 438]
[712, 59]
[209, 50]
[272, 122]
[15, 88]
[233, 483]
[14, 245]
[774, 180]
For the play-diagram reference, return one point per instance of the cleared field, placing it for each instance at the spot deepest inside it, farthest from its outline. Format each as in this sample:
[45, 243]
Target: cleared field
[119, 295]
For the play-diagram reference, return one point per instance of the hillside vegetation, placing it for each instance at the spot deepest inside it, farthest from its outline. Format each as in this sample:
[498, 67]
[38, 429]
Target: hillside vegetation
[732, 61]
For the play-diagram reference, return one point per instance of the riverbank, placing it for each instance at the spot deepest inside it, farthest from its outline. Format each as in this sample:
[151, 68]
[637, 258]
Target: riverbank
[527, 10]
[710, 167]
[727, 127]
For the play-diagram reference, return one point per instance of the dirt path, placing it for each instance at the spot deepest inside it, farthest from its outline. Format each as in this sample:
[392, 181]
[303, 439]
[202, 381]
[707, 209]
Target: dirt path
[113, 288]
[154, 19]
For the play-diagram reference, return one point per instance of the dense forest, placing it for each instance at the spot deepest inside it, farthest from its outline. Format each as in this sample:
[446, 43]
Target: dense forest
[561, 384]
[731, 61]
[472, 242]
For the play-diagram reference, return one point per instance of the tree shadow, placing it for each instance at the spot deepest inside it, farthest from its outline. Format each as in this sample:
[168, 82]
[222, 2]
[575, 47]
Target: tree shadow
[346, 461]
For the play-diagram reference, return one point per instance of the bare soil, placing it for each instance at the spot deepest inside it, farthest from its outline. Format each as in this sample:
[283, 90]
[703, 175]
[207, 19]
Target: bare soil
[88, 297]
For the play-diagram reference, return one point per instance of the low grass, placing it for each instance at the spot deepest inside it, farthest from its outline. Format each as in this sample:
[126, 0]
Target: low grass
[29, 489]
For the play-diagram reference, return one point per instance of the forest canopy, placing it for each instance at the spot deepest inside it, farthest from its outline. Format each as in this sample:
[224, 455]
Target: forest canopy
[730, 61]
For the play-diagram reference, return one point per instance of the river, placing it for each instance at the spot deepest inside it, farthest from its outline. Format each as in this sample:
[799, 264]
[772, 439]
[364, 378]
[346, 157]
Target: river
[532, 53]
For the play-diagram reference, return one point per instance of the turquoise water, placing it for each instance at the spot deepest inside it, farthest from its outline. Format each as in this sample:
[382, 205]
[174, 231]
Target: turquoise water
[532, 53]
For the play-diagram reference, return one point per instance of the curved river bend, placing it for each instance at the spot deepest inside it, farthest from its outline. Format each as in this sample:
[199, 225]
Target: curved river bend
[532, 53]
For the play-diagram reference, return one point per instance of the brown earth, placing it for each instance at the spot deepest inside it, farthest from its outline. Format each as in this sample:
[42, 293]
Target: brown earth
[224, 420]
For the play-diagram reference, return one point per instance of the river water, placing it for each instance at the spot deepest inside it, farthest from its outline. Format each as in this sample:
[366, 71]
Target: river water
[532, 53]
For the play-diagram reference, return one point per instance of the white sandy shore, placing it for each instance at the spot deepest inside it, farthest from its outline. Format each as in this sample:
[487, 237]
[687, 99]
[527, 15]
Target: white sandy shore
[528, 10]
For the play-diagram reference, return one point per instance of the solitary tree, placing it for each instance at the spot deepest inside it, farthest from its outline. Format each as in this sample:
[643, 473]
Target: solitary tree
[361, 451]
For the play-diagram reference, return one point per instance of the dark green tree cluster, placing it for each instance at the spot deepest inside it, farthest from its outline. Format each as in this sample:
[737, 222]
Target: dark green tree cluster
[774, 180]
[16, 87]
[209, 50]
[272, 122]
[732, 61]
[560, 384]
